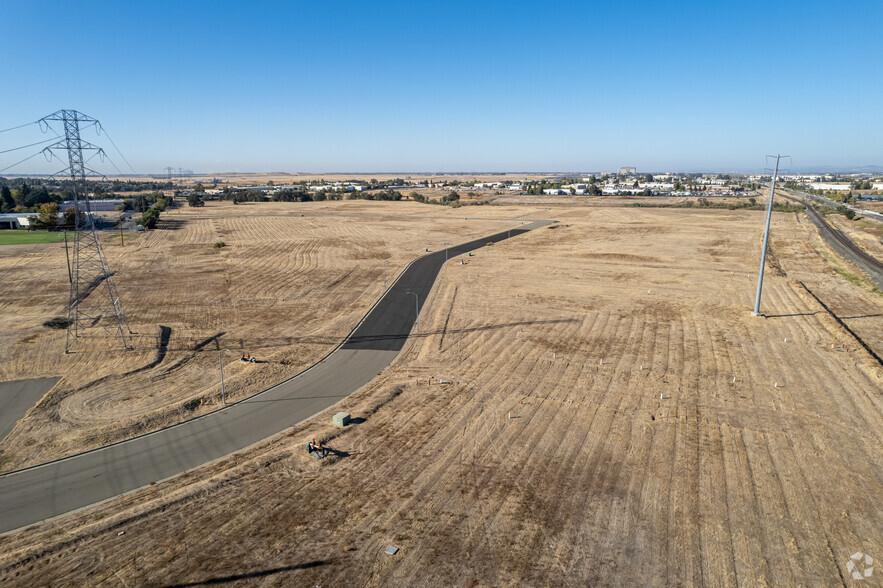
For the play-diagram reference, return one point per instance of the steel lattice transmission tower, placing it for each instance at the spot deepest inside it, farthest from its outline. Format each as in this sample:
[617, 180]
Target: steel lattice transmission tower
[94, 300]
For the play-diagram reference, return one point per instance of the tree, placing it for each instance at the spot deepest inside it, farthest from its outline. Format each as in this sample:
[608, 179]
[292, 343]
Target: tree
[36, 197]
[149, 219]
[47, 215]
[70, 219]
[24, 192]
[849, 213]
[195, 200]
[7, 204]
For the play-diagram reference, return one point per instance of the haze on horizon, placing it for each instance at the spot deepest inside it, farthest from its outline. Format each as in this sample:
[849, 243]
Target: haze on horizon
[218, 87]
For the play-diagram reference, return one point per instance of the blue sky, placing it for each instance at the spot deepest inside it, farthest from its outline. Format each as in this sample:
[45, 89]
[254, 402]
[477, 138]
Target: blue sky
[452, 86]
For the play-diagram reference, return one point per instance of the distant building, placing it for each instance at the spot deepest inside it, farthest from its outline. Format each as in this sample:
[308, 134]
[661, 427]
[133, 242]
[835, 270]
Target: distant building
[829, 186]
[15, 220]
[627, 171]
[94, 205]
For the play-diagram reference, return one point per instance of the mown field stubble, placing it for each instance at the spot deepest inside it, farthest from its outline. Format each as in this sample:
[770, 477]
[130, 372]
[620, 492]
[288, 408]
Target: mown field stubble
[285, 288]
[611, 415]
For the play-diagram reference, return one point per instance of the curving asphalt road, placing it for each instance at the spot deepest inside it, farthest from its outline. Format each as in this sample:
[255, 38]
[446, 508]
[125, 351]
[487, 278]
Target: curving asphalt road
[31, 495]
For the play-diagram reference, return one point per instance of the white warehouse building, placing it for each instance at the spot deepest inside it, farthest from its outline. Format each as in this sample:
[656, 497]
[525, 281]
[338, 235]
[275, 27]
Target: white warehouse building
[17, 220]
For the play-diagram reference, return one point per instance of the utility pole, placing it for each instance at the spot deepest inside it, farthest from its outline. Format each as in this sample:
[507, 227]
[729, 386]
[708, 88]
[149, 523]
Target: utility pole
[417, 309]
[766, 238]
[94, 299]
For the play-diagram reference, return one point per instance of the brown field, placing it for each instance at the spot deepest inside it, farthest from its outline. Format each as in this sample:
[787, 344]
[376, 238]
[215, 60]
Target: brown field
[659, 434]
[286, 289]
[867, 234]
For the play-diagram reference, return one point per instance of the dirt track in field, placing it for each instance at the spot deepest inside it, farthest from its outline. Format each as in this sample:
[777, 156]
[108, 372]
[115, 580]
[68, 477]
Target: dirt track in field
[632, 456]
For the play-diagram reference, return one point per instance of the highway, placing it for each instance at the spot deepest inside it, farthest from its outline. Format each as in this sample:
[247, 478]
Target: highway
[34, 494]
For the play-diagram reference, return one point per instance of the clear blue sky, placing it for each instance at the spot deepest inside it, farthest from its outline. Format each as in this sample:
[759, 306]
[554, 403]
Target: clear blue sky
[450, 86]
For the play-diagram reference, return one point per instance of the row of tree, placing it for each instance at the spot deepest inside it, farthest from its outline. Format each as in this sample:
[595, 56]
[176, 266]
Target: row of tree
[151, 216]
[24, 198]
[47, 217]
[451, 198]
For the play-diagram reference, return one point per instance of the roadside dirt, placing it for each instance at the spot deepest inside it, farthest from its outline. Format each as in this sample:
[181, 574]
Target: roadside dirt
[611, 415]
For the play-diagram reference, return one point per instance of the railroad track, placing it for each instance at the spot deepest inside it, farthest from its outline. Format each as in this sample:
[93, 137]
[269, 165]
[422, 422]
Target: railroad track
[838, 236]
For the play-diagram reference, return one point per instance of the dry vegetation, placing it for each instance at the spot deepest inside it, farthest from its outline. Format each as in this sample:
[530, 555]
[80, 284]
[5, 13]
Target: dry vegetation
[286, 288]
[709, 446]
[867, 234]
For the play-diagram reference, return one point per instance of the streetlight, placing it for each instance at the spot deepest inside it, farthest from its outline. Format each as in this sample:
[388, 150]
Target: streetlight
[417, 308]
[221, 364]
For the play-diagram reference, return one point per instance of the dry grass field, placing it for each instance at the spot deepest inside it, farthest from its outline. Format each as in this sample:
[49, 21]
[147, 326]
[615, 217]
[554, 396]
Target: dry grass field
[286, 288]
[611, 415]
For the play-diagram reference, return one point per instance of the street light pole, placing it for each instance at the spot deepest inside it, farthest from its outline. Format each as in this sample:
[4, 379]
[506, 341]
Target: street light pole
[221, 365]
[417, 308]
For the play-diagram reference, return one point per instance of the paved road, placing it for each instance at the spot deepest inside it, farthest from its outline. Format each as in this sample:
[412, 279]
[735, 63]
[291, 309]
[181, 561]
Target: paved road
[38, 493]
[19, 396]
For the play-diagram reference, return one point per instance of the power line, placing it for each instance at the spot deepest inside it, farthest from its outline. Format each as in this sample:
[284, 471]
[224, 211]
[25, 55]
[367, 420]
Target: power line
[111, 162]
[117, 150]
[19, 126]
[22, 161]
[31, 145]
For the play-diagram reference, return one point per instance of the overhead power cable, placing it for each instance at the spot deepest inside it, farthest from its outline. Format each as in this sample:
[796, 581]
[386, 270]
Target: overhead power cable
[105, 155]
[19, 126]
[31, 145]
[101, 128]
[22, 161]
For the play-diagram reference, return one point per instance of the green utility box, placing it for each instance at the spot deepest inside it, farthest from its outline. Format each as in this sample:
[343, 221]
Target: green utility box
[341, 419]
